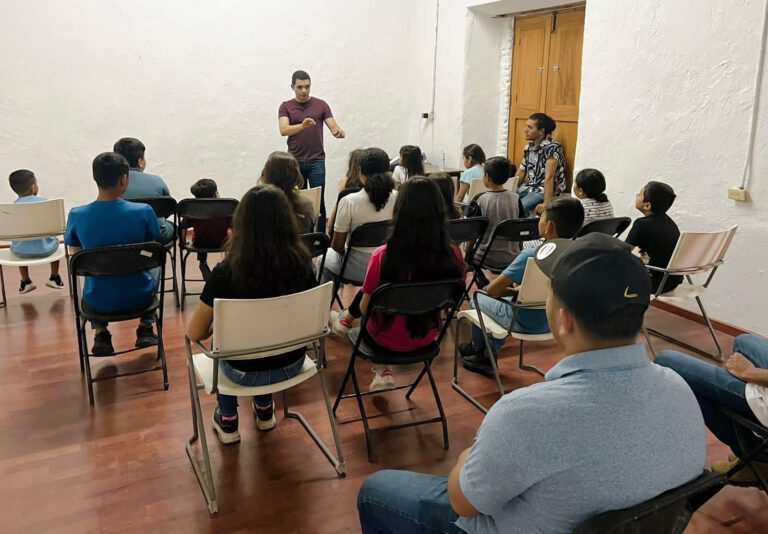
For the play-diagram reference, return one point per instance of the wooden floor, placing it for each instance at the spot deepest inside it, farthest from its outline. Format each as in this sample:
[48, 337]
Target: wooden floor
[120, 465]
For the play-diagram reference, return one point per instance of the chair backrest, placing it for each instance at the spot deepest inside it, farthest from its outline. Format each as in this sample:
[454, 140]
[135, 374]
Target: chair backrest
[372, 234]
[516, 230]
[255, 325]
[614, 226]
[314, 195]
[701, 250]
[535, 286]
[317, 243]
[417, 298]
[669, 513]
[206, 208]
[467, 230]
[477, 186]
[118, 261]
[23, 222]
[164, 207]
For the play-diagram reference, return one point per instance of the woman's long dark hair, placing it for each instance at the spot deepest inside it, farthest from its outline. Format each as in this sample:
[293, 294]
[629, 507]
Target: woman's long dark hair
[592, 182]
[419, 248]
[353, 168]
[265, 247]
[411, 160]
[379, 187]
[446, 185]
[282, 170]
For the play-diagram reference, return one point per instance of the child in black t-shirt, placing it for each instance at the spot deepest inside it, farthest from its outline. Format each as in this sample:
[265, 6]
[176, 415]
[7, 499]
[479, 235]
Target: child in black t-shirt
[656, 234]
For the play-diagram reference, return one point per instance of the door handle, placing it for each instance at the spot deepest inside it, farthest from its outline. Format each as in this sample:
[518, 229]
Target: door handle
[555, 69]
[540, 69]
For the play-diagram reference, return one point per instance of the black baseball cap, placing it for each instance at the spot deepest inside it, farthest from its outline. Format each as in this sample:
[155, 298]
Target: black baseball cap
[595, 275]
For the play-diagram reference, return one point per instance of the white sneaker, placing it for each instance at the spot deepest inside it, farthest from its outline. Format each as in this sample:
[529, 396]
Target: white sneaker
[269, 420]
[340, 325]
[55, 282]
[383, 379]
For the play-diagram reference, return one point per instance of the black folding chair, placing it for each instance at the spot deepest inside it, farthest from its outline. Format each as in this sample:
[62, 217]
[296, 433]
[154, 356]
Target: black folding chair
[117, 261]
[614, 226]
[518, 230]
[367, 235]
[344, 192]
[165, 208]
[409, 300]
[469, 230]
[318, 244]
[199, 209]
[753, 440]
[669, 513]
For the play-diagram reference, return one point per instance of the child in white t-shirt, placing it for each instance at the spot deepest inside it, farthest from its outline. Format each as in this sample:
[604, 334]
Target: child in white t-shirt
[411, 164]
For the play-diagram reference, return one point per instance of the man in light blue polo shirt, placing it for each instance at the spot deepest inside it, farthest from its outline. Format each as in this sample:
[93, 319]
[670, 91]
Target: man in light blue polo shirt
[606, 430]
[142, 184]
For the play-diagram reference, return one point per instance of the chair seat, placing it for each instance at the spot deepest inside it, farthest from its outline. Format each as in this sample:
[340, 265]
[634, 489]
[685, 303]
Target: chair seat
[682, 293]
[9, 258]
[204, 369]
[375, 353]
[88, 313]
[499, 332]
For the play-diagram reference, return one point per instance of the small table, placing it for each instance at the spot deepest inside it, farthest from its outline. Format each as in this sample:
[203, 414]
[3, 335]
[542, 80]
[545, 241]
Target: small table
[453, 173]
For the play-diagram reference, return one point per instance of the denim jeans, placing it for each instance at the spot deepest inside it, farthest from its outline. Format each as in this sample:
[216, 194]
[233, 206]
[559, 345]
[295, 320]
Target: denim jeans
[530, 199]
[502, 314]
[403, 502]
[166, 231]
[714, 386]
[228, 403]
[314, 173]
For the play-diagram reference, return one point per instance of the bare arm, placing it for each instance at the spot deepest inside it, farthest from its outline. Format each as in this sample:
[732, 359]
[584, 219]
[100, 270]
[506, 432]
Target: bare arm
[200, 325]
[521, 175]
[456, 497]
[339, 242]
[288, 129]
[549, 184]
[501, 286]
[463, 190]
[365, 302]
[743, 369]
[335, 129]
[74, 250]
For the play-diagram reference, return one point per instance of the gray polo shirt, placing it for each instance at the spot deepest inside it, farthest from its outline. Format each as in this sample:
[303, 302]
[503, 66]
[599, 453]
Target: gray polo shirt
[607, 430]
[144, 185]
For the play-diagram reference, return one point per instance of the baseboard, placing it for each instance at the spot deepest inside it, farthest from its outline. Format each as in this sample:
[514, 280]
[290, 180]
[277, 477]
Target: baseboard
[720, 326]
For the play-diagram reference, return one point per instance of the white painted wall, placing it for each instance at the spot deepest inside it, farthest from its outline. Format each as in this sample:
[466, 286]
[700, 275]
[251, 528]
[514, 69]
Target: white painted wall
[198, 82]
[669, 97]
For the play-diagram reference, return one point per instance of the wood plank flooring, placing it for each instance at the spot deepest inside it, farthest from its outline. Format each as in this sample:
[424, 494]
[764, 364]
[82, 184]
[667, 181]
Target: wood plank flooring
[120, 465]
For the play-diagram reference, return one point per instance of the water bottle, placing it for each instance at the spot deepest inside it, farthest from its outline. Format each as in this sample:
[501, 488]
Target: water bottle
[442, 160]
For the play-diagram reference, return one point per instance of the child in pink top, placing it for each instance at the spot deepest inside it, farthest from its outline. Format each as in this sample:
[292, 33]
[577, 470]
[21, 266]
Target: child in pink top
[418, 250]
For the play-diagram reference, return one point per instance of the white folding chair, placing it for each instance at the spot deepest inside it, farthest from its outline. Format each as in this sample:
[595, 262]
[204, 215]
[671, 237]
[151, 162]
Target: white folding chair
[532, 295]
[696, 253]
[25, 222]
[313, 194]
[252, 329]
[477, 186]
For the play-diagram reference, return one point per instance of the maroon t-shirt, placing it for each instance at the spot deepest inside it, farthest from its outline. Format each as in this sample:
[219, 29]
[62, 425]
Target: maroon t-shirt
[307, 145]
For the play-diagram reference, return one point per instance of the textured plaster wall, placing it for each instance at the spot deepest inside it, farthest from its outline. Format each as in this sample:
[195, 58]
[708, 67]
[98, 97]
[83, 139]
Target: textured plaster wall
[669, 97]
[198, 82]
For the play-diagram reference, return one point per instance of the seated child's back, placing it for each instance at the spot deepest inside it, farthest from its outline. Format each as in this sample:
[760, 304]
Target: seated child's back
[209, 233]
[111, 221]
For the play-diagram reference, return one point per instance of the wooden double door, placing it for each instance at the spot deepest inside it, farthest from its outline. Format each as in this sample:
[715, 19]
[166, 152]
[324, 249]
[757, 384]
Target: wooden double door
[546, 77]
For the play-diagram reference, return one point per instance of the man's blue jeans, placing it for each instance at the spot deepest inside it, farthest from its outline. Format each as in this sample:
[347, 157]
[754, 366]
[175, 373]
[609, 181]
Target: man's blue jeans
[228, 403]
[403, 502]
[314, 173]
[530, 199]
[714, 386]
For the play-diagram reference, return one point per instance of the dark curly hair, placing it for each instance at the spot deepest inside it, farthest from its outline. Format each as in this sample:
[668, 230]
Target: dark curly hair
[374, 166]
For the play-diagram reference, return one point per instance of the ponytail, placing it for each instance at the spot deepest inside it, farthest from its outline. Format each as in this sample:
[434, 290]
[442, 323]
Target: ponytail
[379, 187]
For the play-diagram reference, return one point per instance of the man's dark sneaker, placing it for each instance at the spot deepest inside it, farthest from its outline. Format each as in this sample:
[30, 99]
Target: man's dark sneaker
[55, 282]
[225, 428]
[265, 417]
[145, 336]
[102, 344]
[478, 363]
[26, 286]
[469, 349]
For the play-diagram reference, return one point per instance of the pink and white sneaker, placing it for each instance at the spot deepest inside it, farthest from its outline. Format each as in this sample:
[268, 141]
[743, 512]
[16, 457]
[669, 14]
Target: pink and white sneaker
[341, 322]
[383, 379]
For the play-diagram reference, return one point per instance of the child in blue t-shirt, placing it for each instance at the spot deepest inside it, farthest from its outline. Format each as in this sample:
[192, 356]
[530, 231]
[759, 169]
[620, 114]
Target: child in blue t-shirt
[112, 221]
[562, 218]
[24, 184]
[473, 158]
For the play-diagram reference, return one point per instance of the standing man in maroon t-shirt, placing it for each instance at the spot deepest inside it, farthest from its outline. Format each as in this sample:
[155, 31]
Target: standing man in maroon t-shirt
[301, 119]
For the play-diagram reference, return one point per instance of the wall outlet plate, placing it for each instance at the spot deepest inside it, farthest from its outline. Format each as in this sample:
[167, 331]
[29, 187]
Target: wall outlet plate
[426, 115]
[738, 194]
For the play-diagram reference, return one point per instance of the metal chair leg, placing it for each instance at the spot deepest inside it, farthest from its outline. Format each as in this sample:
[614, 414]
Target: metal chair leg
[524, 366]
[350, 368]
[2, 285]
[203, 473]
[363, 416]
[183, 295]
[717, 356]
[455, 379]
[443, 419]
[87, 361]
[161, 353]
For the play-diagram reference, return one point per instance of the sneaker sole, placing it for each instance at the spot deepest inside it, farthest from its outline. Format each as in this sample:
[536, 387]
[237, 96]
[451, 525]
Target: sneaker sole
[144, 343]
[28, 289]
[54, 285]
[337, 328]
[227, 438]
[266, 426]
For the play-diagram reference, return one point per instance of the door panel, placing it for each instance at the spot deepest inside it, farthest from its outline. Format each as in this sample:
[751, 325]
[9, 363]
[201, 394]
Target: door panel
[564, 78]
[531, 43]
